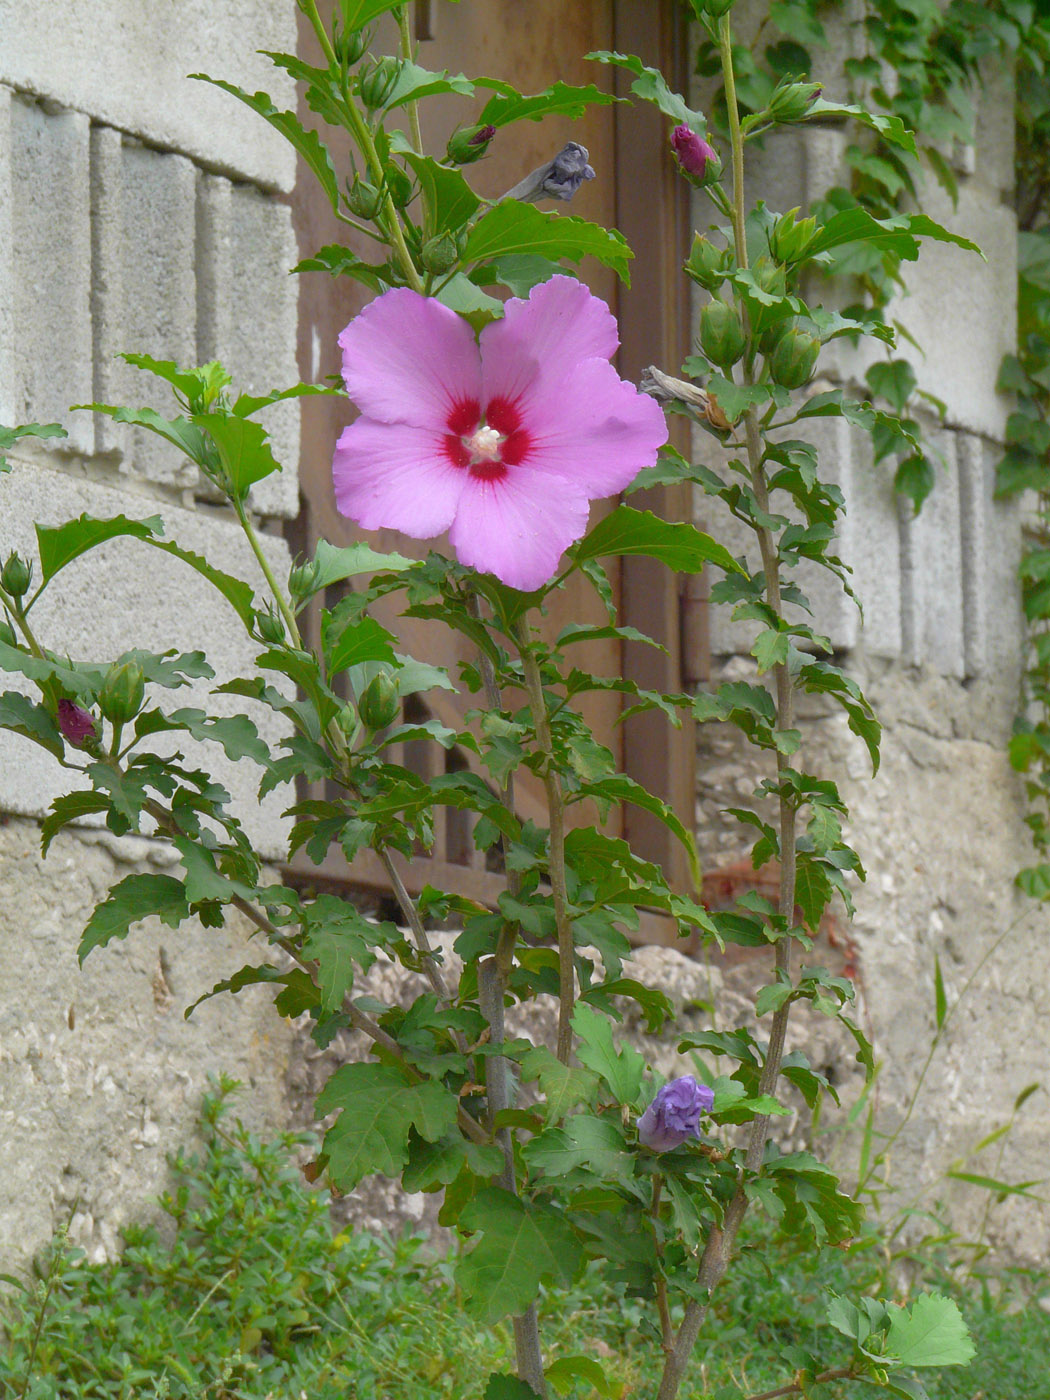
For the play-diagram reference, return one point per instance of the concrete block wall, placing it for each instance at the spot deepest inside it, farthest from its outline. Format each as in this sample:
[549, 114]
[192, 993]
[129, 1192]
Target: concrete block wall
[138, 212]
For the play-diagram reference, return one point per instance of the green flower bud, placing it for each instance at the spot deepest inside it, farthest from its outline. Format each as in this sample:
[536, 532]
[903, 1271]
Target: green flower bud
[794, 359]
[363, 199]
[16, 575]
[270, 625]
[716, 8]
[376, 85]
[122, 693]
[469, 143]
[706, 264]
[302, 579]
[349, 722]
[791, 101]
[721, 334]
[769, 337]
[440, 254]
[379, 704]
[350, 45]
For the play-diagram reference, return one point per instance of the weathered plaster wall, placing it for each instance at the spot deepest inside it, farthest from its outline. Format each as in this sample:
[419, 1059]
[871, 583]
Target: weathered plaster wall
[938, 651]
[139, 211]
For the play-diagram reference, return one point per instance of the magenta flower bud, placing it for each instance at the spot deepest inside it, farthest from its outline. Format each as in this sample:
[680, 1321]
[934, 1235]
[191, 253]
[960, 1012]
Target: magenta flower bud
[673, 1117]
[697, 157]
[76, 724]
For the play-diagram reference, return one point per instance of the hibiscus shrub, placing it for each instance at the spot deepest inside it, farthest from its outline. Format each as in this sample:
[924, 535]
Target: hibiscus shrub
[498, 423]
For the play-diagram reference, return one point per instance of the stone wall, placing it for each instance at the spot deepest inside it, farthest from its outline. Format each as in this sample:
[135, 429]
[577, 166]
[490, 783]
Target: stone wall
[139, 211]
[938, 651]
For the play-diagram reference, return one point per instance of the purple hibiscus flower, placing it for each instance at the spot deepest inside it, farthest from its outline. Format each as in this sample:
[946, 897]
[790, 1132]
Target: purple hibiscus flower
[673, 1117]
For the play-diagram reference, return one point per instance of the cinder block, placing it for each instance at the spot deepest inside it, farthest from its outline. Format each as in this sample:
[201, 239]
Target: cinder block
[126, 65]
[107, 282]
[874, 549]
[792, 168]
[995, 129]
[961, 310]
[247, 310]
[51, 239]
[8, 415]
[931, 573]
[159, 310]
[125, 594]
[991, 548]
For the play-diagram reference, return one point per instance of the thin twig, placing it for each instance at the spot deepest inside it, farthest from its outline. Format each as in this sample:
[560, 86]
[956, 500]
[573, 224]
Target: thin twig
[556, 812]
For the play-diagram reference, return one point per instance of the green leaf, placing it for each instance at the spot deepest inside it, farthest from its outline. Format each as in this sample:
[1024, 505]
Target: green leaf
[447, 198]
[135, 897]
[69, 808]
[894, 380]
[378, 1107]
[24, 716]
[244, 450]
[307, 143]
[622, 1068]
[914, 478]
[522, 1245]
[358, 13]
[204, 881]
[899, 235]
[929, 1333]
[562, 1373]
[563, 1086]
[180, 432]
[414, 83]
[502, 1386]
[651, 86]
[583, 1141]
[891, 129]
[334, 565]
[772, 997]
[64, 543]
[338, 261]
[677, 544]
[998, 1188]
[236, 733]
[9, 436]
[938, 991]
[559, 100]
[363, 639]
[513, 227]
[770, 649]
[619, 788]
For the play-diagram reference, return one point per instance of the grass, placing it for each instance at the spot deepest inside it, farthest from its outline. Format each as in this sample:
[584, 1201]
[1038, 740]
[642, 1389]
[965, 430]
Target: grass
[248, 1296]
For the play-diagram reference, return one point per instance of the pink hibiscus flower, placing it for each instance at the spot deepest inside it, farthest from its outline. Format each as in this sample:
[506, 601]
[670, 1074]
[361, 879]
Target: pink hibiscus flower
[503, 443]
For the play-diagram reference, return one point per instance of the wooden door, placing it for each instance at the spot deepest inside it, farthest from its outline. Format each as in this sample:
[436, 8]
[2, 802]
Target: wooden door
[533, 43]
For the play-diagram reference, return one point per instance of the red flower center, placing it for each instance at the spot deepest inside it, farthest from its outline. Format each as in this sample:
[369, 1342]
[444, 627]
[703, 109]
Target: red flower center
[485, 444]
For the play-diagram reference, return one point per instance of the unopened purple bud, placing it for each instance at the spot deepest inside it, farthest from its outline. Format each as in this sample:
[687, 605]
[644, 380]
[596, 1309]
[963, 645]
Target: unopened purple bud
[560, 178]
[482, 136]
[75, 723]
[569, 169]
[695, 155]
[673, 1117]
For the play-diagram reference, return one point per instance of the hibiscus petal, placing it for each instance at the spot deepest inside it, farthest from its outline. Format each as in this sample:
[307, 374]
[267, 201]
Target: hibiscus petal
[409, 359]
[597, 431]
[538, 342]
[395, 476]
[517, 527]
